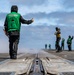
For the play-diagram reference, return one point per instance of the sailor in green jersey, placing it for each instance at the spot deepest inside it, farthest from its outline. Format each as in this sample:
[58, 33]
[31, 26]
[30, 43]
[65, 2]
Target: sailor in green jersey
[12, 27]
[62, 44]
[49, 46]
[69, 43]
[45, 46]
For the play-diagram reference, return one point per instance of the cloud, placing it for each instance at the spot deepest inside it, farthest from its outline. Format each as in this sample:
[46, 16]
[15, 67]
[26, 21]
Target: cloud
[33, 6]
[35, 38]
[65, 18]
[68, 3]
[38, 36]
[57, 14]
[41, 18]
[28, 2]
[3, 16]
[56, 17]
[38, 15]
[3, 42]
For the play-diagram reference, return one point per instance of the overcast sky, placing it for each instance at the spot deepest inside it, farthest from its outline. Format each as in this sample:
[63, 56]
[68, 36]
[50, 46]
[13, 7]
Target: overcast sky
[46, 13]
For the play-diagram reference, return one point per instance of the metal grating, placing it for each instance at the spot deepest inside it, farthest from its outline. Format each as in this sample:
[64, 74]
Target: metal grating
[7, 73]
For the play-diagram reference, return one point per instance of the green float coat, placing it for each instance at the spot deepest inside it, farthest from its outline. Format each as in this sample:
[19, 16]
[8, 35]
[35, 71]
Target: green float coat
[13, 21]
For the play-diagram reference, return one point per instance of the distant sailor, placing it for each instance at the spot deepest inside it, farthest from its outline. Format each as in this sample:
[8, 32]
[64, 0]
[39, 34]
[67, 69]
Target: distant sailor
[62, 44]
[49, 46]
[69, 43]
[45, 46]
[58, 37]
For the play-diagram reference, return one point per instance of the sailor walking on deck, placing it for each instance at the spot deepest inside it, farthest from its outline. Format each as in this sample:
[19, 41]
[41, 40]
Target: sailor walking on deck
[12, 27]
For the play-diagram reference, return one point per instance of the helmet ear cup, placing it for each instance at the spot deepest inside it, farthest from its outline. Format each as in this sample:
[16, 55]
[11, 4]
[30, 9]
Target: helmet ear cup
[14, 8]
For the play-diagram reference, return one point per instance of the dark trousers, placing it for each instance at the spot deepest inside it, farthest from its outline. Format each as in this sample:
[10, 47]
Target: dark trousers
[57, 44]
[13, 43]
[69, 47]
[62, 46]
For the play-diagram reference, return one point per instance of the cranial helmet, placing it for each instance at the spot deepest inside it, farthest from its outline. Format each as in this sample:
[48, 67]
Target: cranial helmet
[14, 8]
[69, 36]
[56, 28]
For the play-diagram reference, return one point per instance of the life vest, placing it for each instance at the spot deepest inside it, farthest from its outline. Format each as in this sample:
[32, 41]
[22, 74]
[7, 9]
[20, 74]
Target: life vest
[63, 41]
[57, 34]
[69, 41]
[13, 21]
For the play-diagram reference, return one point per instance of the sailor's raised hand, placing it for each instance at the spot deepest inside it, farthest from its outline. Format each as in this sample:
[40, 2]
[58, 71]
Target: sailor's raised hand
[32, 20]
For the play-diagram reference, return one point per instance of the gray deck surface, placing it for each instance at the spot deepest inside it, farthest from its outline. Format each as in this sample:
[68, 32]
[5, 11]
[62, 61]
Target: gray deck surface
[64, 54]
[48, 54]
